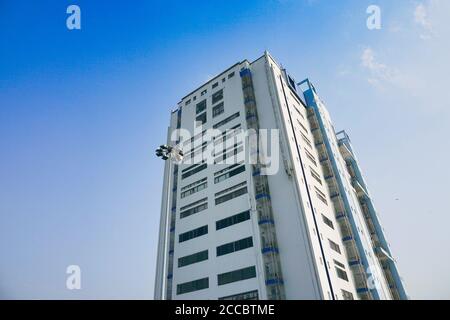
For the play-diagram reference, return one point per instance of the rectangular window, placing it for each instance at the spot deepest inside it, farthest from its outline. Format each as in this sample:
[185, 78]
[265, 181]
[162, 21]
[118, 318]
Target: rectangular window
[229, 173]
[204, 92]
[200, 107]
[311, 157]
[305, 138]
[339, 264]
[251, 295]
[218, 110]
[194, 188]
[315, 175]
[192, 153]
[341, 274]
[231, 75]
[302, 126]
[234, 246]
[234, 152]
[321, 196]
[192, 141]
[334, 246]
[347, 295]
[225, 121]
[194, 171]
[216, 97]
[191, 286]
[193, 234]
[231, 193]
[188, 102]
[328, 222]
[215, 85]
[194, 208]
[200, 118]
[234, 132]
[193, 258]
[189, 168]
[230, 221]
[237, 275]
[298, 111]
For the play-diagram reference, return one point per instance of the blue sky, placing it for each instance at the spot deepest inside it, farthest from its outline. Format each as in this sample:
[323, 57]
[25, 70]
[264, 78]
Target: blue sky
[82, 111]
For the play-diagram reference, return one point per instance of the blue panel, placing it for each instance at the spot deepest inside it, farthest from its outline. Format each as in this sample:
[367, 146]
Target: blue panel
[274, 281]
[266, 221]
[269, 250]
[262, 195]
[245, 72]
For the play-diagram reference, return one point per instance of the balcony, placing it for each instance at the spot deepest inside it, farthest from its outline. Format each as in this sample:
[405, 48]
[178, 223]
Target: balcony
[340, 215]
[383, 255]
[360, 191]
[345, 151]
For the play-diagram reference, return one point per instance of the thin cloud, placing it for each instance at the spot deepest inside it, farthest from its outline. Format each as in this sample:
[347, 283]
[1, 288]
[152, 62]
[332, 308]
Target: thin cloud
[378, 71]
[422, 19]
[380, 74]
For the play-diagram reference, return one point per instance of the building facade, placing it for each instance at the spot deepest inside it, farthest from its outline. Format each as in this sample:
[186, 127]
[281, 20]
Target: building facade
[286, 217]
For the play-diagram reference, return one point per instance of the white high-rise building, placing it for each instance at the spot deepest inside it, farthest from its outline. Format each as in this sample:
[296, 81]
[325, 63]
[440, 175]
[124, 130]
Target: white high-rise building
[297, 224]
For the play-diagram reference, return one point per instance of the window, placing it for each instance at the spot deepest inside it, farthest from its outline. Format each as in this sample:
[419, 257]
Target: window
[231, 193]
[204, 92]
[191, 286]
[215, 85]
[189, 168]
[216, 97]
[229, 174]
[225, 121]
[321, 196]
[193, 258]
[201, 118]
[233, 132]
[234, 246]
[194, 188]
[294, 97]
[200, 107]
[231, 75]
[315, 175]
[305, 138]
[191, 141]
[347, 295]
[339, 264]
[334, 246]
[302, 126]
[197, 169]
[311, 157]
[298, 111]
[237, 275]
[188, 102]
[194, 208]
[230, 221]
[341, 274]
[218, 110]
[231, 152]
[193, 234]
[251, 295]
[191, 154]
[328, 222]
